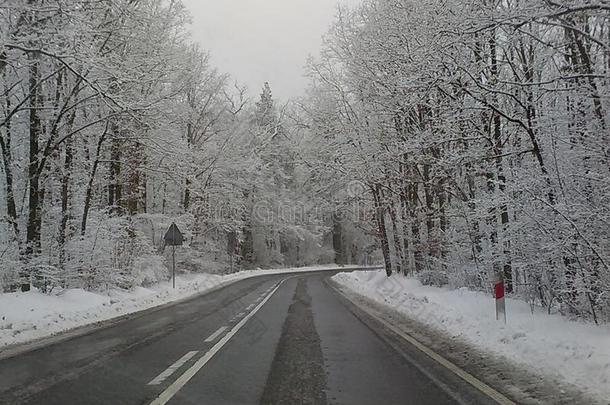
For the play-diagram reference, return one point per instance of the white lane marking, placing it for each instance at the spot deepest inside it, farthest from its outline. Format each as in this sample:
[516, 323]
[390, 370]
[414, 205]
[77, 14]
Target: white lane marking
[170, 391]
[469, 378]
[215, 335]
[170, 370]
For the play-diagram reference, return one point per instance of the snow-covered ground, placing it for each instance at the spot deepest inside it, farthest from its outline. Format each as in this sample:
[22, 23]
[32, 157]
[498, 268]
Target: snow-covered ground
[32, 315]
[574, 352]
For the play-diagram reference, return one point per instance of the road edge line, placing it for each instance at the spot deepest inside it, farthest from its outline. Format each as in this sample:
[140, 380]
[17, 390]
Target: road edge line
[464, 375]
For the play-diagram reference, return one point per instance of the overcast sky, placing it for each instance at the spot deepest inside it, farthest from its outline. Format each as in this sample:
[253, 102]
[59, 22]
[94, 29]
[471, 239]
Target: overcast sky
[263, 40]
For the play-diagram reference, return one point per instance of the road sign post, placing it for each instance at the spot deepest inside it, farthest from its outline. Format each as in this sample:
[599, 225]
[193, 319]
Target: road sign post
[173, 266]
[173, 237]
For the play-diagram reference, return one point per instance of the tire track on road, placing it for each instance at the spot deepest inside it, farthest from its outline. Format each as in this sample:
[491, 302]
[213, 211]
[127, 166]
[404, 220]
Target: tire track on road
[297, 373]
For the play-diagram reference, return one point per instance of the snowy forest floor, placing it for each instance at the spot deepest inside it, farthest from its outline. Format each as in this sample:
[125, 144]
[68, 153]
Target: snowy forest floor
[572, 357]
[33, 315]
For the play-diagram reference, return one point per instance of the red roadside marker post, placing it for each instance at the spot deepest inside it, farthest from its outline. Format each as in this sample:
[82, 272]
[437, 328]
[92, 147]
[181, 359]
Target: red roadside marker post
[499, 292]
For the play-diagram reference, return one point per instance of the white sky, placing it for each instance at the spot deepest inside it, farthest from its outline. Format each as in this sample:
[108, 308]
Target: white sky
[263, 40]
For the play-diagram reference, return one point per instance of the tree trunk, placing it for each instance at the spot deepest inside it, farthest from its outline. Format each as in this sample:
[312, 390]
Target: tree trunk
[406, 239]
[34, 192]
[89, 191]
[338, 242]
[415, 230]
[65, 199]
[115, 188]
[247, 243]
[187, 195]
[187, 188]
[135, 181]
[397, 244]
[382, 230]
[5, 148]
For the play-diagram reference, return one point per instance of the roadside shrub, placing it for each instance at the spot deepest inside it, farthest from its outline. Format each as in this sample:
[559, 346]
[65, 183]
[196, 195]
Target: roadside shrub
[433, 278]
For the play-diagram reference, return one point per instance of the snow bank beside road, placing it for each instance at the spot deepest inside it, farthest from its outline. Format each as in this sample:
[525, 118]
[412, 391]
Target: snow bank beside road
[32, 315]
[574, 352]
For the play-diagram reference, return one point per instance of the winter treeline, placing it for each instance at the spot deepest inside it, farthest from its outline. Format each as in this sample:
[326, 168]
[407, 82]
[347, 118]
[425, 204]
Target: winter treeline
[470, 138]
[481, 131]
[112, 126]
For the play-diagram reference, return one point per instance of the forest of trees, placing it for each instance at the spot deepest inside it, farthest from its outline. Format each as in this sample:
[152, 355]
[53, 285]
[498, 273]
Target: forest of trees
[113, 125]
[454, 140]
[481, 129]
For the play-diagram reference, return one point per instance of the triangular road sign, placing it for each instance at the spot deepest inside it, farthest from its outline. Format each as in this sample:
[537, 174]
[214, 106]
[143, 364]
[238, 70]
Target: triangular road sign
[173, 236]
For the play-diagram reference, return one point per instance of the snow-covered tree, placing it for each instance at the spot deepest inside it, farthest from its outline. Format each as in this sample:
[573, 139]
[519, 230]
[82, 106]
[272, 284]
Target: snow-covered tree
[480, 130]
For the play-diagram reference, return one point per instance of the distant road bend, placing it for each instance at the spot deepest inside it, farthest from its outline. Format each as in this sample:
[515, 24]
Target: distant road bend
[277, 339]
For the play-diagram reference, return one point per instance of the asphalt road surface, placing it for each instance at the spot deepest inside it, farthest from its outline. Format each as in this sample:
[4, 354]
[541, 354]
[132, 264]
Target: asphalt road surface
[282, 339]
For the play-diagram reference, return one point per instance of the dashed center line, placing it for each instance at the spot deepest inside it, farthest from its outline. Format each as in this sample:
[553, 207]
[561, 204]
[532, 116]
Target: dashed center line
[215, 335]
[170, 391]
[171, 369]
